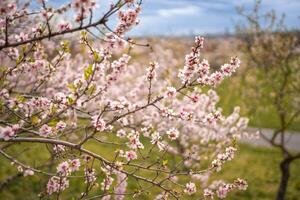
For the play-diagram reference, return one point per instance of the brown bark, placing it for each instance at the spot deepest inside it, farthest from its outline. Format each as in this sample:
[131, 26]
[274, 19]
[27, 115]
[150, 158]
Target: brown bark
[285, 175]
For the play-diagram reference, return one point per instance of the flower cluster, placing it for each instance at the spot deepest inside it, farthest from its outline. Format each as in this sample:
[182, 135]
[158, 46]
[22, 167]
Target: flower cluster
[130, 155]
[83, 8]
[151, 73]
[121, 185]
[45, 130]
[222, 158]
[221, 189]
[64, 26]
[98, 123]
[127, 20]
[171, 92]
[198, 71]
[8, 8]
[90, 176]
[60, 182]
[67, 167]
[28, 172]
[190, 188]
[173, 133]
[9, 131]
[57, 184]
[134, 140]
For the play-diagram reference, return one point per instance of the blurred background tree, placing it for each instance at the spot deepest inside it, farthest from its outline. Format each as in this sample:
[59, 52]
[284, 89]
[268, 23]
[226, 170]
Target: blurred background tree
[272, 77]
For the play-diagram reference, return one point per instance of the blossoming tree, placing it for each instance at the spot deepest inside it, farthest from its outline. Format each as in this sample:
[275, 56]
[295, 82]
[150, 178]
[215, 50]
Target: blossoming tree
[272, 52]
[72, 89]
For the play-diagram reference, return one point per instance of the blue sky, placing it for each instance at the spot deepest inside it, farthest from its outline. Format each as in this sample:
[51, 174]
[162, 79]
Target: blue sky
[183, 17]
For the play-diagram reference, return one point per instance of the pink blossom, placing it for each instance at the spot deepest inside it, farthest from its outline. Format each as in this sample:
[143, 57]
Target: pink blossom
[173, 133]
[106, 197]
[82, 8]
[63, 168]
[130, 155]
[21, 37]
[161, 145]
[151, 73]
[155, 137]
[58, 148]
[16, 127]
[57, 184]
[120, 186]
[90, 175]
[228, 69]
[134, 141]
[45, 130]
[20, 169]
[61, 125]
[28, 172]
[4, 93]
[74, 165]
[190, 188]
[241, 184]
[127, 20]
[171, 92]
[106, 183]
[195, 98]
[222, 192]
[6, 132]
[98, 123]
[199, 41]
[64, 26]
[217, 164]
[121, 133]
[208, 194]
[60, 97]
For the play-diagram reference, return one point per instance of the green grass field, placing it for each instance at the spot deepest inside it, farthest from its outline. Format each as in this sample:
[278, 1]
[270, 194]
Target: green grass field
[263, 115]
[259, 166]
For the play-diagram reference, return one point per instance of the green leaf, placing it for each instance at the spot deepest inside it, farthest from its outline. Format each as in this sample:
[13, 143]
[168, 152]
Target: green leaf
[53, 122]
[234, 142]
[3, 68]
[21, 99]
[120, 4]
[18, 61]
[66, 46]
[88, 72]
[1, 105]
[53, 109]
[91, 90]
[72, 87]
[24, 48]
[70, 100]
[84, 34]
[35, 119]
[97, 57]
[164, 162]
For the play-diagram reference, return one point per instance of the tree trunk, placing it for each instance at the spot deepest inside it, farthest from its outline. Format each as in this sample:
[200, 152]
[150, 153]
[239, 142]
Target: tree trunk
[285, 175]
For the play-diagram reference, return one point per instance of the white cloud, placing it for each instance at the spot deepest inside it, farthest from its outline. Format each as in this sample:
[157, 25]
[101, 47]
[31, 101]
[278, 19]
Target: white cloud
[180, 11]
[164, 17]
